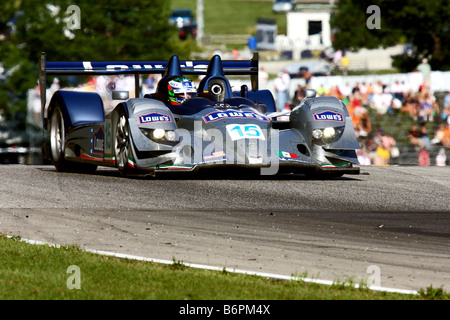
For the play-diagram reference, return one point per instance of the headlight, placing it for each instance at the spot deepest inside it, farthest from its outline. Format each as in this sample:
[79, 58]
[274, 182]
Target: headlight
[158, 134]
[161, 135]
[317, 133]
[327, 135]
[170, 135]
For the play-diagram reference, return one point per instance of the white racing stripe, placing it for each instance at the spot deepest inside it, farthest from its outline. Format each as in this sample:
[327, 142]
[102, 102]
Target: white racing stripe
[87, 65]
[212, 268]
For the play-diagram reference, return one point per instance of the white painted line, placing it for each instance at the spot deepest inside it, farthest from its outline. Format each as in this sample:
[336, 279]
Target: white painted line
[212, 268]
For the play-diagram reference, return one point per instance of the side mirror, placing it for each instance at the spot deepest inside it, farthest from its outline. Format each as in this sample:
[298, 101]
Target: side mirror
[120, 95]
[310, 93]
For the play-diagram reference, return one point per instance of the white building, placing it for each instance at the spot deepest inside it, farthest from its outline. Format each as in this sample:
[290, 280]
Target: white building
[308, 27]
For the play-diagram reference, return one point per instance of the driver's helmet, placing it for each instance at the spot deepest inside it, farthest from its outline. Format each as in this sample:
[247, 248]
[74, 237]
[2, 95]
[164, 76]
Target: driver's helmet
[180, 89]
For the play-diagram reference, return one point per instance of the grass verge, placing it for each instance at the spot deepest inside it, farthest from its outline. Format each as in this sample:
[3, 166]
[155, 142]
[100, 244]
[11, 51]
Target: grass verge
[233, 17]
[44, 272]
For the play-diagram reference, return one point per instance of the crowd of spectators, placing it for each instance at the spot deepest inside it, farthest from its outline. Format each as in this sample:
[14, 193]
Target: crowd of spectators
[378, 147]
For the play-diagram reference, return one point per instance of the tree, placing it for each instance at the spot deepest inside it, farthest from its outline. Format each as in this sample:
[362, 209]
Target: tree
[108, 30]
[425, 24]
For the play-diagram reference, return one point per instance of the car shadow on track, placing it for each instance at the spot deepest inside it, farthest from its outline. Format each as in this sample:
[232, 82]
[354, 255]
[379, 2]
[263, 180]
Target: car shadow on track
[207, 174]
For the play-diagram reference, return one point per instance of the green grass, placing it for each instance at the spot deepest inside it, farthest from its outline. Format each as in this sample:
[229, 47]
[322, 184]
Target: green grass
[226, 19]
[233, 17]
[41, 272]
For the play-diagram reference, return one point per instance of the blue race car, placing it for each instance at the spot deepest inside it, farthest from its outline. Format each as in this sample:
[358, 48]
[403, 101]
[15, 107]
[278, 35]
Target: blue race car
[179, 128]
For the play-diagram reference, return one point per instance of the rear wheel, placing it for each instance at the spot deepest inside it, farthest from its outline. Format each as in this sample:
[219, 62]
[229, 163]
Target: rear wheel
[57, 140]
[57, 145]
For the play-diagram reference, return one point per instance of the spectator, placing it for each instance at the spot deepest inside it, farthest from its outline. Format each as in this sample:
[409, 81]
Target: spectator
[363, 89]
[363, 157]
[434, 111]
[378, 87]
[263, 78]
[411, 105]
[354, 101]
[395, 106]
[442, 136]
[280, 90]
[425, 69]
[391, 145]
[446, 116]
[54, 86]
[370, 146]
[425, 107]
[235, 53]
[414, 135]
[149, 85]
[447, 100]
[424, 157]
[370, 91]
[424, 136]
[423, 143]
[307, 75]
[382, 101]
[441, 158]
[398, 90]
[379, 136]
[345, 62]
[363, 126]
[346, 90]
[337, 57]
[322, 91]
[287, 81]
[335, 92]
[382, 155]
[298, 96]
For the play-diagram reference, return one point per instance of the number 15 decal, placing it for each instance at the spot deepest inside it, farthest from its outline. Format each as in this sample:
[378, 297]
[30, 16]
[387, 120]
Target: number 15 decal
[245, 131]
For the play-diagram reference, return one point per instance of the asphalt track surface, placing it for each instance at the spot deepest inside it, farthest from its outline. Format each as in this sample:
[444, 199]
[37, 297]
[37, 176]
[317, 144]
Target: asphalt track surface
[393, 222]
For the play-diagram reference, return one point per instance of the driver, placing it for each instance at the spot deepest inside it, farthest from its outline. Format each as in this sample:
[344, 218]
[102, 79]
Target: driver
[180, 89]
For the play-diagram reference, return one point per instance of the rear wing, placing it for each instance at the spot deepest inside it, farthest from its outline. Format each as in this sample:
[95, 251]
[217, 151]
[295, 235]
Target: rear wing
[97, 68]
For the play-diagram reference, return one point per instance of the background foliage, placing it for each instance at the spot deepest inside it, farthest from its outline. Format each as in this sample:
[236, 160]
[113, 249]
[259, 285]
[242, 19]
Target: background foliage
[110, 30]
[424, 24]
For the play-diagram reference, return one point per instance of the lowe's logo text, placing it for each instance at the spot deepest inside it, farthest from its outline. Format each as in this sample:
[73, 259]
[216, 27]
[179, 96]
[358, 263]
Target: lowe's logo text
[329, 116]
[217, 115]
[154, 117]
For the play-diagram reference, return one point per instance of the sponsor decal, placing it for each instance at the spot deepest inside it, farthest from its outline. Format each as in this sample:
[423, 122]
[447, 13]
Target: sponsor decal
[118, 67]
[108, 136]
[154, 117]
[245, 131]
[329, 116]
[255, 159]
[287, 155]
[91, 66]
[98, 141]
[232, 114]
[337, 165]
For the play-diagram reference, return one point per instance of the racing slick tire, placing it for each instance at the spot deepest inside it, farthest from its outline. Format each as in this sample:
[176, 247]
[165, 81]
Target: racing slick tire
[122, 143]
[57, 142]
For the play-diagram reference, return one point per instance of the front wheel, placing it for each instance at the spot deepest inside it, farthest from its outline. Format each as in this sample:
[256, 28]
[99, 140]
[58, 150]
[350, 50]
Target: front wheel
[122, 143]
